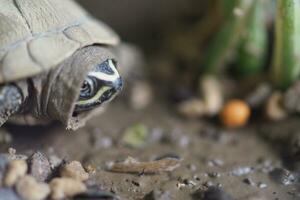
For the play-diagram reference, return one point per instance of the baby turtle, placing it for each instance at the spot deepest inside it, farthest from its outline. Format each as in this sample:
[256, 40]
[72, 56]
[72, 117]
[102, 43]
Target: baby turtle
[56, 62]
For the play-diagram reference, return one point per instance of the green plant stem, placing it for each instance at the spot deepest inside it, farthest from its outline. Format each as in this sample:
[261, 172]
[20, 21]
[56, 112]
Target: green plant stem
[227, 38]
[286, 58]
[253, 46]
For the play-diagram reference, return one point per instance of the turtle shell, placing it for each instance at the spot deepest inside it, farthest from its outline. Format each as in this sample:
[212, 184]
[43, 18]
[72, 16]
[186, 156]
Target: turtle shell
[37, 35]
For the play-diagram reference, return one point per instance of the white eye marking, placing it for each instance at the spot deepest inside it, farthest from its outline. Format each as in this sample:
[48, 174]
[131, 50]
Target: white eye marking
[107, 77]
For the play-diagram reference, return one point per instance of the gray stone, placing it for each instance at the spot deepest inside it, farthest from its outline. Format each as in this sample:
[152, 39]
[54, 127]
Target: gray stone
[39, 166]
[282, 176]
[8, 194]
[259, 96]
[3, 163]
[216, 193]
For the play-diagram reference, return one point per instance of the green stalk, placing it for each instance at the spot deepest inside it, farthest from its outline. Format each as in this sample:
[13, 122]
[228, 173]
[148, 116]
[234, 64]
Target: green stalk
[227, 38]
[286, 58]
[253, 47]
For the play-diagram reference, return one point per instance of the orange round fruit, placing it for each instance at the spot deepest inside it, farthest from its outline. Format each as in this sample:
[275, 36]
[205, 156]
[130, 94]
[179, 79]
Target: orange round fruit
[235, 113]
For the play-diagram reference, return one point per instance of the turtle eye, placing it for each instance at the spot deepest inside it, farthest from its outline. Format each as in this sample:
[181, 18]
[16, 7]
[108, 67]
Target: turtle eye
[87, 89]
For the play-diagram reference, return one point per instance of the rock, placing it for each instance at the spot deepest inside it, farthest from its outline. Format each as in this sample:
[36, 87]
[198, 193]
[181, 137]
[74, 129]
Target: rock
[39, 166]
[259, 96]
[291, 98]
[66, 187]
[3, 164]
[13, 156]
[214, 174]
[74, 170]
[282, 176]
[211, 90]
[274, 108]
[241, 171]
[158, 195]
[216, 193]
[29, 189]
[12, 151]
[249, 181]
[141, 95]
[192, 108]
[54, 161]
[8, 194]
[262, 185]
[16, 169]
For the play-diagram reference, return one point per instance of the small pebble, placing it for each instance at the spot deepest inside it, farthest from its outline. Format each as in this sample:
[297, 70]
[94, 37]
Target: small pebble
[74, 170]
[262, 185]
[66, 187]
[282, 176]
[274, 108]
[249, 181]
[39, 166]
[215, 163]
[29, 189]
[12, 151]
[3, 164]
[208, 184]
[16, 169]
[13, 156]
[192, 167]
[240, 171]
[91, 169]
[214, 174]
[192, 108]
[216, 193]
[54, 161]
[259, 96]
[8, 194]
[187, 182]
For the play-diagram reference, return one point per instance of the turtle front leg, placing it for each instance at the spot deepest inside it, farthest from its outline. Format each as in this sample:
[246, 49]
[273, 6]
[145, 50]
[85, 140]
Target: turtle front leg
[11, 99]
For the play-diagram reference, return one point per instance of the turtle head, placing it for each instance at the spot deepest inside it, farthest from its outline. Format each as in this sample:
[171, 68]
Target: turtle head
[101, 85]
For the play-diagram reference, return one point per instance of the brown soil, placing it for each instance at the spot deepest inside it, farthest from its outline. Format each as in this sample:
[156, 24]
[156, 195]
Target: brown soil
[239, 161]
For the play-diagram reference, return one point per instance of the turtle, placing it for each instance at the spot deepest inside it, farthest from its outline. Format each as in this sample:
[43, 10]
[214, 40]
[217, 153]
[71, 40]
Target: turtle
[57, 62]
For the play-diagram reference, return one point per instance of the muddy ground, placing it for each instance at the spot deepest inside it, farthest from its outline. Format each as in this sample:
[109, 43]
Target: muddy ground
[246, 163]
